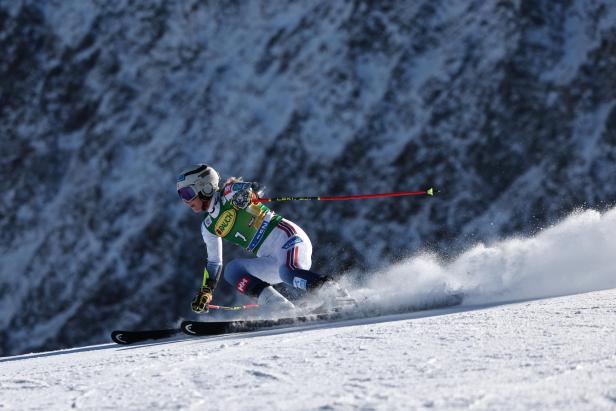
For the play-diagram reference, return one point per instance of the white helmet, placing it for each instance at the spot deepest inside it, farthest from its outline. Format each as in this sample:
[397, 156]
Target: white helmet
[198, 180]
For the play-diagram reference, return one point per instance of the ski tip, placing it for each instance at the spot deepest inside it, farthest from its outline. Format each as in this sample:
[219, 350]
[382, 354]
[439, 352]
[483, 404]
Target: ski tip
[118, 338]
[187, 328]
[430, 191]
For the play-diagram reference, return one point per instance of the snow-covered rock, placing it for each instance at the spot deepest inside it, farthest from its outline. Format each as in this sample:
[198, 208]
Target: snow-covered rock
[507, 107]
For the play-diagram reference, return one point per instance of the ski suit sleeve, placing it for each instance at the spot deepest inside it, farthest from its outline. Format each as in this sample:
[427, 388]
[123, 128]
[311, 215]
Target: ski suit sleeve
[213, 267]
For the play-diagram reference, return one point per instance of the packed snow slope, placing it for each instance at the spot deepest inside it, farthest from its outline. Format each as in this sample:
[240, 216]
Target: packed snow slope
[508, 107]
[557, 353]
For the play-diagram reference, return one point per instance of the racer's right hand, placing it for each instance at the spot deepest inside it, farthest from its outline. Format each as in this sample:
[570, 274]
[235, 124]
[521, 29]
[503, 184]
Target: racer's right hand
[201, 301]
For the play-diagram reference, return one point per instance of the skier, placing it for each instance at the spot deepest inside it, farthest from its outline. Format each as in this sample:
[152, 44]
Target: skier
[283, 250]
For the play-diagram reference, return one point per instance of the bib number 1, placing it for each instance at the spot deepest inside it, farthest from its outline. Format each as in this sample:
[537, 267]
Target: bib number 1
[238, 234]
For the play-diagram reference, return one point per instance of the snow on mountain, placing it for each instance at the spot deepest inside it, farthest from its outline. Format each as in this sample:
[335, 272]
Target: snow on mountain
[544, 354]
[506, 107]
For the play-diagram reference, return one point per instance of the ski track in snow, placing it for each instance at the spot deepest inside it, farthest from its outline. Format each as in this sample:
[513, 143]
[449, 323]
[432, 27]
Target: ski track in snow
[557, 353]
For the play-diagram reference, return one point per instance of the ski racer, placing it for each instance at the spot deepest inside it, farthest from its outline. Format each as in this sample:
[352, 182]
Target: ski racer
[283, 250]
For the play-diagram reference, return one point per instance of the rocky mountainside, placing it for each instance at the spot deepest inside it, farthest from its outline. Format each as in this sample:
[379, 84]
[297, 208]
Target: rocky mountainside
[508, 107]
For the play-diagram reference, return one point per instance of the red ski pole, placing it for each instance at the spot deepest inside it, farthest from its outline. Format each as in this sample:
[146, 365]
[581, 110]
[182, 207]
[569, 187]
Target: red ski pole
[428, 192]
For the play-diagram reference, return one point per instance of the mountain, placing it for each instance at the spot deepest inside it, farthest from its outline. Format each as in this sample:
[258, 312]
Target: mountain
[507, 108]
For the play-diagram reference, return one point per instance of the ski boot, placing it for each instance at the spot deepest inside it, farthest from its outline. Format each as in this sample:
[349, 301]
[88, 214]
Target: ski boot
[271, 301]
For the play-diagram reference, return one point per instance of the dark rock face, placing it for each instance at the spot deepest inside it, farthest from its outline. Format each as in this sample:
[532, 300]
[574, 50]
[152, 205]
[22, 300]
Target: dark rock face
[509, 108]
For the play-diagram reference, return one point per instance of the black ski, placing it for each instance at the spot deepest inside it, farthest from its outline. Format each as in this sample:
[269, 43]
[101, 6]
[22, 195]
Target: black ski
[131, 337]
[202, 328]
[236, 326]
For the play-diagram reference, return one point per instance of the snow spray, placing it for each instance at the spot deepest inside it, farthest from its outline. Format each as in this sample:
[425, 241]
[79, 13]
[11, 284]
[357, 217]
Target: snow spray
[573, 256]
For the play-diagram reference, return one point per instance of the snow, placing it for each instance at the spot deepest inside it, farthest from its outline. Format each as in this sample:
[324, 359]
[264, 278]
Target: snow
[575, 255]
[554, 353]
[488, 354]
[517, 342]
[309, 98]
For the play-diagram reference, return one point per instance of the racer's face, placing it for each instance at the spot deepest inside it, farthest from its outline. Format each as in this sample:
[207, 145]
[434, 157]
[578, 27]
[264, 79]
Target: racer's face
[198, 205]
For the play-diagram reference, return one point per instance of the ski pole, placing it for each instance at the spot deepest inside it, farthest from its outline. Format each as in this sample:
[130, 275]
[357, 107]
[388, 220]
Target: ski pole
[428, 192]
[232, 308]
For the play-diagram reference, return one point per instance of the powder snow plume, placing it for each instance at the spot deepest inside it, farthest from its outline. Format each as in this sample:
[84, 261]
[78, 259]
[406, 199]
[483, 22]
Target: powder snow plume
[573, 256]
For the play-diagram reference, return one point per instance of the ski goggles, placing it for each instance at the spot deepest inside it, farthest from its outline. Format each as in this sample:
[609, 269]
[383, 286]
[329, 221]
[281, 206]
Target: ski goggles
[187, 193]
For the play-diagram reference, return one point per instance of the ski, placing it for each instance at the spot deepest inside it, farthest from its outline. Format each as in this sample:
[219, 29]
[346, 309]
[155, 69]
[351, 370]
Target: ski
[202, 328]
[131, 337]
[321, 313]
[343, 312]
[125, 337]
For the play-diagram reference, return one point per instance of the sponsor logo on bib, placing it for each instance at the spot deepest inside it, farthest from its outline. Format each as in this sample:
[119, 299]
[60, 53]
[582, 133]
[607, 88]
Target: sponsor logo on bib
[225, 223]
[240, 186]
[258, 235]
